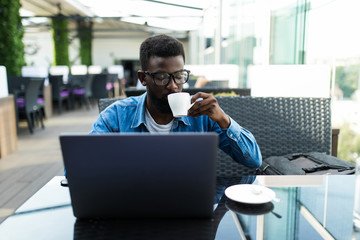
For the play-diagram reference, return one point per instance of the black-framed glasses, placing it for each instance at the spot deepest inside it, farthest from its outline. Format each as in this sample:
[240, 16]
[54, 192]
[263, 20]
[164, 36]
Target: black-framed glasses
[163, 78]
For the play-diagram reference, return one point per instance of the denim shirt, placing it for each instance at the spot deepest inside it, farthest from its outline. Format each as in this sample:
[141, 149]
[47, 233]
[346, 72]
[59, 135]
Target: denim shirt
[128, 115]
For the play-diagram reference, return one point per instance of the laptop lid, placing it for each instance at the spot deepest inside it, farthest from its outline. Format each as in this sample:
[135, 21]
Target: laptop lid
[133, 175]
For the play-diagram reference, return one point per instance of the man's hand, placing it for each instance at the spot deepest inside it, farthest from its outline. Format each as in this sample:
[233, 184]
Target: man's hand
[208, 106]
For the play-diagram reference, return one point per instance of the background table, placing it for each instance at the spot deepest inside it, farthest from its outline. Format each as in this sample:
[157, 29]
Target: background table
[8, 132]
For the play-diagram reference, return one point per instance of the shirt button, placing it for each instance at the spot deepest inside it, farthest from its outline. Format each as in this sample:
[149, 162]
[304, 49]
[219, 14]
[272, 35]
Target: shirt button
[231, 134]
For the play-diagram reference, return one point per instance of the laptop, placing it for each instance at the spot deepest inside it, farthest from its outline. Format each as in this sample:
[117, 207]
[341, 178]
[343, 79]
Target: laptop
[133, 175]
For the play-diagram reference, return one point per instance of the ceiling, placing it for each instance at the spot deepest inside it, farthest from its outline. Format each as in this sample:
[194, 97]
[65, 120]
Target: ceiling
[121, 15]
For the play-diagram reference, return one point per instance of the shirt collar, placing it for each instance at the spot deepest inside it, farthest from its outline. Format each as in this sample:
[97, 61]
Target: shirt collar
[139, 116]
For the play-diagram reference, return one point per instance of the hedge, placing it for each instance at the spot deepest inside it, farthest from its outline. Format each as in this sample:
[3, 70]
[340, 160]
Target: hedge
[11, 34]
[85, 37]
[61, 41]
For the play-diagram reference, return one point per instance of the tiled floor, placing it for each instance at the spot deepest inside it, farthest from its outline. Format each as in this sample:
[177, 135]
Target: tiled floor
[38, 157]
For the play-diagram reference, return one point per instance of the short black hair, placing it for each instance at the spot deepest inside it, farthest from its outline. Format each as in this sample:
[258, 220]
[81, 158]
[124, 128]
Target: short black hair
[160, 46]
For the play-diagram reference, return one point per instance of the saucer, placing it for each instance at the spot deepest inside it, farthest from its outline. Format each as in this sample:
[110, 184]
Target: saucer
[250, 193]
[249, 209]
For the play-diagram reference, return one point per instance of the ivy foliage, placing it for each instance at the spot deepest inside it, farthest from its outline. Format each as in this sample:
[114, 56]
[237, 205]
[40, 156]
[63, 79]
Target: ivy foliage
[349, 143]
[347, 78]
[85, 36]
[61, 41]
[11, 34]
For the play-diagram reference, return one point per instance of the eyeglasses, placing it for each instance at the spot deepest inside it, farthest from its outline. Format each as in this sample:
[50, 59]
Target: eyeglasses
[163, 78]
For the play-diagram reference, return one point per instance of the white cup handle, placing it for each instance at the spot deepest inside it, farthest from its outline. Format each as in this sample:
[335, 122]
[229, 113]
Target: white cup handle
[197, 100]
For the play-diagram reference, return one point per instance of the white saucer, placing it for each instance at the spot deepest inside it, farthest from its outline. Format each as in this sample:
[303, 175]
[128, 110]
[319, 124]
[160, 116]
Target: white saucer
[249, 193]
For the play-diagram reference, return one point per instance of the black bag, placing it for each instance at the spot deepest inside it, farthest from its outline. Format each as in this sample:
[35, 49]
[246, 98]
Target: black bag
[314, 163]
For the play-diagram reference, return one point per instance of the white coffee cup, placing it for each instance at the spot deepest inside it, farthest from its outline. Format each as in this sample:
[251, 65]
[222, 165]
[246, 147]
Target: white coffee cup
[179, 103]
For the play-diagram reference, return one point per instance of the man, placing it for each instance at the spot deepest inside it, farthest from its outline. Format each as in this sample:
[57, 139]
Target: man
[162, 61]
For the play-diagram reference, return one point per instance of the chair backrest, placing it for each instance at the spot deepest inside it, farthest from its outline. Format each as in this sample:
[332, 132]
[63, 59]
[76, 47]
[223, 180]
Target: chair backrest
[214, 91]
[17, 83]
[112, 77]
[283, 125]
[83, 83]
[56, 86]
[99, 86]
[239, 91]
[88, 85]
[32, 93]
[77, 81]
[217, 84]
[280, 126]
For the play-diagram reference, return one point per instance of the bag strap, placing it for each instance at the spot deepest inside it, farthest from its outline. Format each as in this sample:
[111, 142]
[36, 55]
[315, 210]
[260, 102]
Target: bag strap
[261, 170]
[325, 167]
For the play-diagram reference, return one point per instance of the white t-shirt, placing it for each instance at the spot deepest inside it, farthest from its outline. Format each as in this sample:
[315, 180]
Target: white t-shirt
[154, 127]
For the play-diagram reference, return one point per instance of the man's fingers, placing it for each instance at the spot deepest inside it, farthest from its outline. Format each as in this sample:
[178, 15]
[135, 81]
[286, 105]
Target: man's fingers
[200, 108]
[200, 95]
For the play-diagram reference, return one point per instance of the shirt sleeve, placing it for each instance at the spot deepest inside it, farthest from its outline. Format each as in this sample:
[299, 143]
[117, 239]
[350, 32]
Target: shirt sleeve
[240, 144]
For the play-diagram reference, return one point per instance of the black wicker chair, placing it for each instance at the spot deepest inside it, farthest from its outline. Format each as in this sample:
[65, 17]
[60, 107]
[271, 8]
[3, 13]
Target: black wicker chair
[28, 102]
[239, 91]
[29, 107]
[103, 84]
[280, 126]
[214, 91]
[59, 92]
[80, 89]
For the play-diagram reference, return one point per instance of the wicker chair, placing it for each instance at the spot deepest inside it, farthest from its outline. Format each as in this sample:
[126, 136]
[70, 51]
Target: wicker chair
[280, 126]
[98, 87]
[80, 89]
[239, 91]
[28, 106]
[214, 91]
[59, 92]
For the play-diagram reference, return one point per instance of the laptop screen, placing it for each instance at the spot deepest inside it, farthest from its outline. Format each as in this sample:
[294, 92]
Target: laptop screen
[132, 175]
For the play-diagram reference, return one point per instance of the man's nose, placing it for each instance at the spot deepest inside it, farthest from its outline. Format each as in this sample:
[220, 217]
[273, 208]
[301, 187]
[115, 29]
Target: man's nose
[172, 84]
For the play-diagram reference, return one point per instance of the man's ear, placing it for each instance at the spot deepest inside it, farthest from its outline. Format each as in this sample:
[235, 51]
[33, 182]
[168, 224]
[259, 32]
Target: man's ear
[141, 75]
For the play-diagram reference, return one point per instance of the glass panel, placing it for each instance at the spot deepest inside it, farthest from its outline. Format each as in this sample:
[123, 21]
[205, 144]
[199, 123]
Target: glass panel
[210, 24]
[238, 35]
[332, 39]
[287, 33]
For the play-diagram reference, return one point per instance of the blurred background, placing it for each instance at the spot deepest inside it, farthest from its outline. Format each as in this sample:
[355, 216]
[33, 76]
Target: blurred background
[306, 48]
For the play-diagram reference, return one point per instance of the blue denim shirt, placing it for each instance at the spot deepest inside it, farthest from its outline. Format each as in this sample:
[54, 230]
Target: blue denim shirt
[128, 115]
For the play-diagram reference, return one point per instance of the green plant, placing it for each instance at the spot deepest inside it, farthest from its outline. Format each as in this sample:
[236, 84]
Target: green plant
[61, 41]
[226, 94]
[347, 79]
[85, 36]
[11, 34]
[349, 143]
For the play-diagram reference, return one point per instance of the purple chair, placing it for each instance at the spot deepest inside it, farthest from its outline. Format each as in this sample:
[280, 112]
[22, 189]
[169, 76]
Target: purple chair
[80, 89]
[29, 106]
[103, 84]
[60, 93]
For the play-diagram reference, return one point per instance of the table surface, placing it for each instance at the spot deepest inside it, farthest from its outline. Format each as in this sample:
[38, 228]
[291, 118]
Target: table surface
[311, 207]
